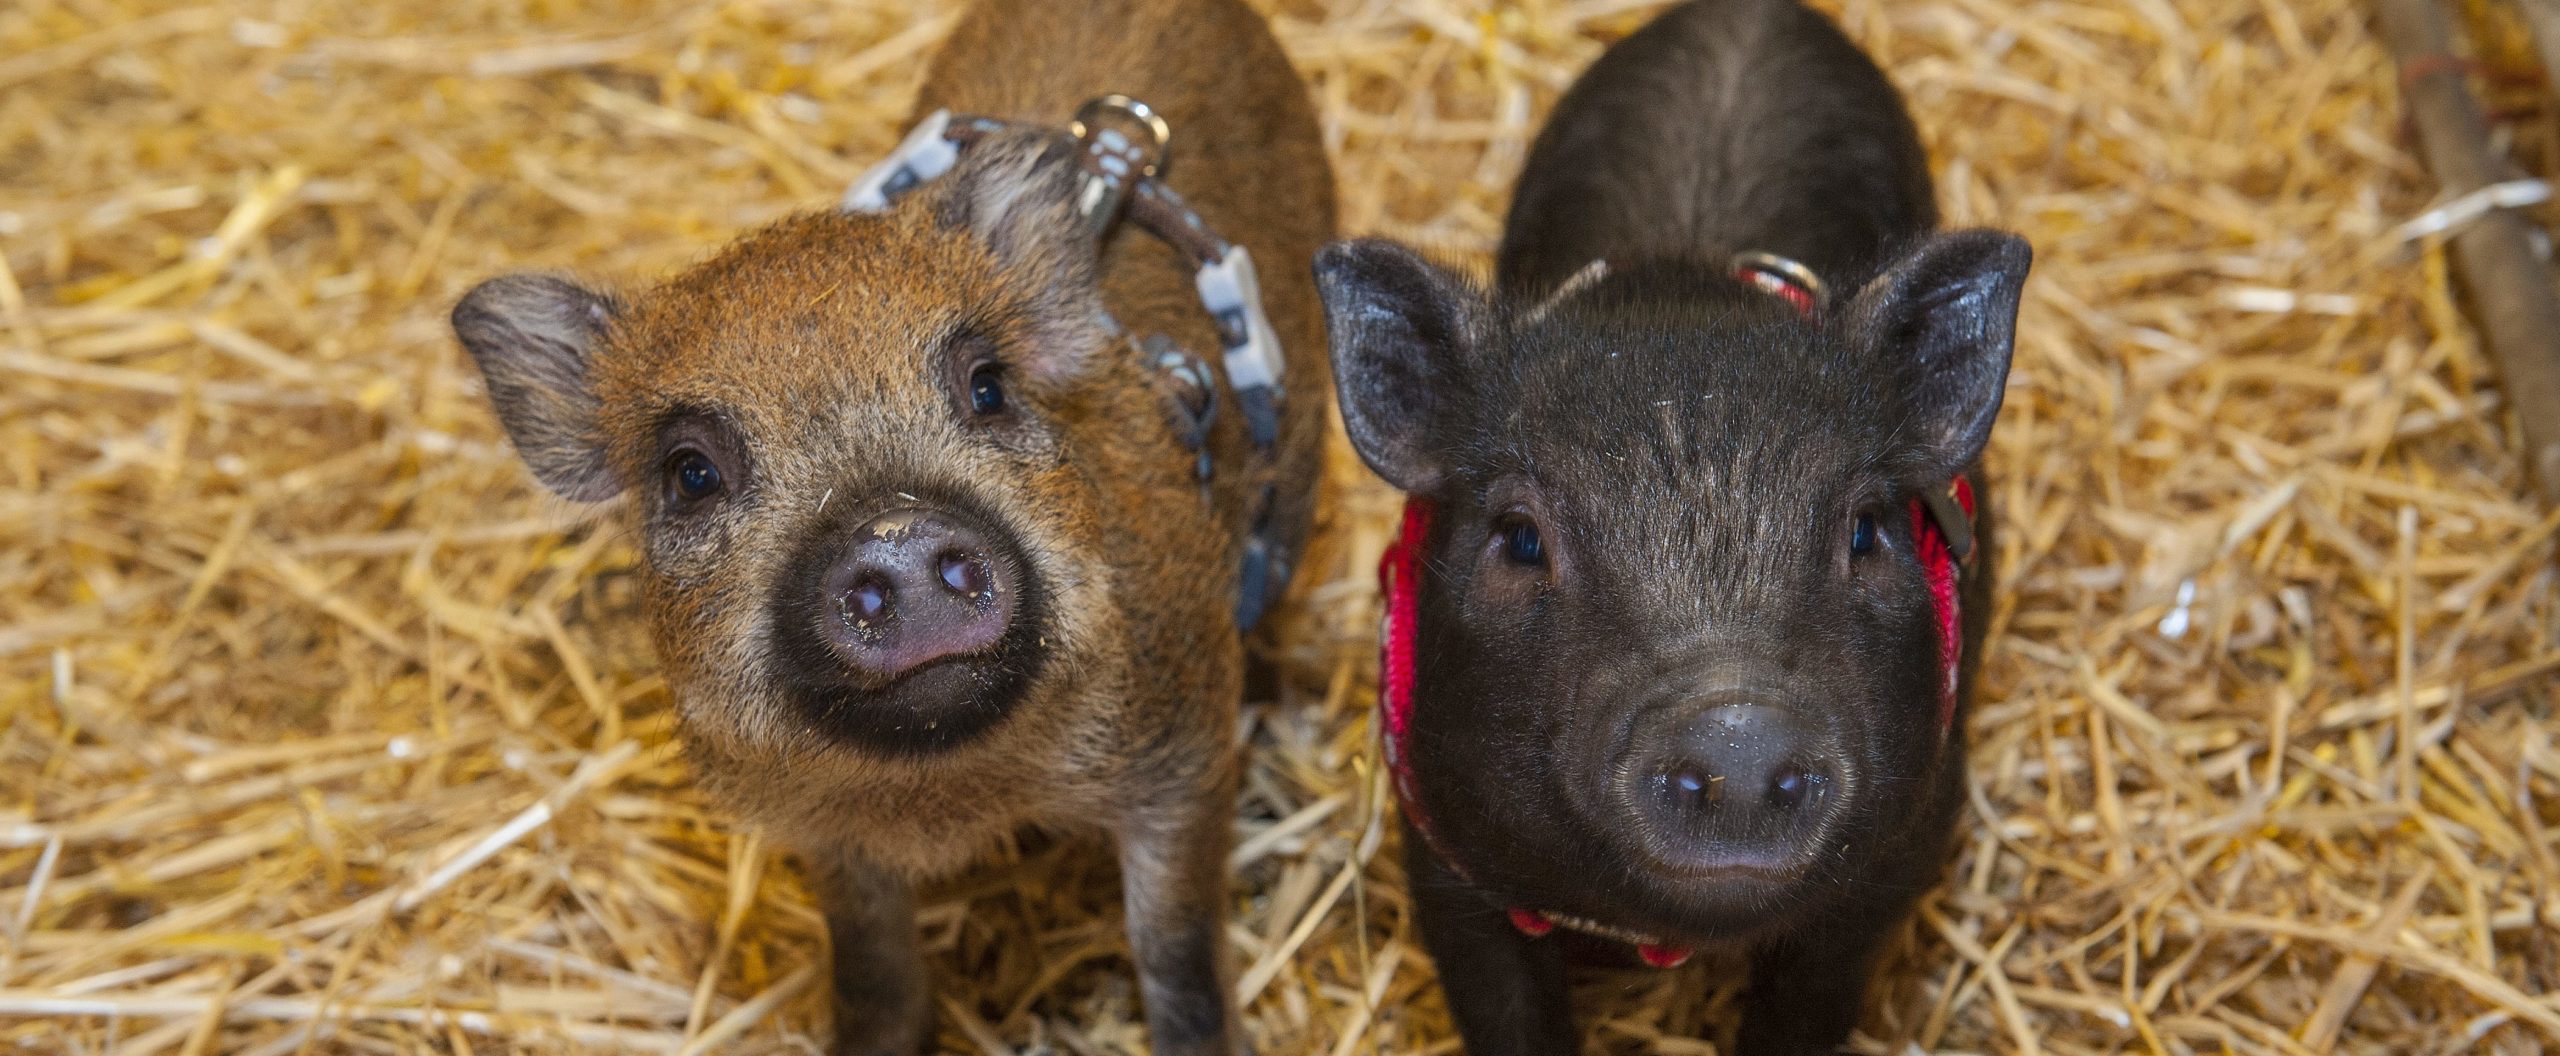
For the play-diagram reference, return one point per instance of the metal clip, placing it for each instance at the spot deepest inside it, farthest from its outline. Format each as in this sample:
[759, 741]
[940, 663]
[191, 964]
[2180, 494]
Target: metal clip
[1120, 141]
[1772, 272]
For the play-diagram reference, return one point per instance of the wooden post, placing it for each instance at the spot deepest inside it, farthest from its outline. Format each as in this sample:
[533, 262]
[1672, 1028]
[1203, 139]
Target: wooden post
[2513, 301]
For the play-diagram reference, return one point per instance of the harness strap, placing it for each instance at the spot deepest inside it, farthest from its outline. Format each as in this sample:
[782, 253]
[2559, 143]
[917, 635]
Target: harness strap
[1942, 534]
[1400, 583]
[1940, 554]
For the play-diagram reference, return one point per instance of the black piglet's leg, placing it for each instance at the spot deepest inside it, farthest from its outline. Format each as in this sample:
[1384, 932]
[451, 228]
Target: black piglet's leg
[1505, 989]
[1806, 992]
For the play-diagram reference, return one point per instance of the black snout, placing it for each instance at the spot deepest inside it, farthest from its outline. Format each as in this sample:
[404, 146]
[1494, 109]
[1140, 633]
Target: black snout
[1728, 786]
[914, 586]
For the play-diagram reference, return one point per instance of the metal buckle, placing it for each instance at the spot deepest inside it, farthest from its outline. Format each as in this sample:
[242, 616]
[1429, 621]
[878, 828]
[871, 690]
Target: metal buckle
[1784, 270]
[1122, 141]
[1160, 134]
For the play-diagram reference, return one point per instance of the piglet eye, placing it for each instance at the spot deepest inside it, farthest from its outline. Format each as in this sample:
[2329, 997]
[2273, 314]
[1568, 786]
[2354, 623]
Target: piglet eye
[693, 476]
[986, 390]
[1521, 544]
[1862, 536]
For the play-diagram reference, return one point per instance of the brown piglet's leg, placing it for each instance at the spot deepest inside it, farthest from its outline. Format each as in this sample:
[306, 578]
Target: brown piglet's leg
[1173, 864]
[879, 963]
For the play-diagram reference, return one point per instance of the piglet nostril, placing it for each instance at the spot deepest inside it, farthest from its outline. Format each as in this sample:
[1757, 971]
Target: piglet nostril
[867, 604]
[963, 574]
[1692, 785]
[1792, 787]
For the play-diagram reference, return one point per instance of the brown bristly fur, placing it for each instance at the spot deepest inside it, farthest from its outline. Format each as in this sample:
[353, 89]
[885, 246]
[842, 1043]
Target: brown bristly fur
[824, 341]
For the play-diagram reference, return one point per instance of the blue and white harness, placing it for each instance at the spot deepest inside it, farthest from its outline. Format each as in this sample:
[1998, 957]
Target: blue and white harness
[1123, 148]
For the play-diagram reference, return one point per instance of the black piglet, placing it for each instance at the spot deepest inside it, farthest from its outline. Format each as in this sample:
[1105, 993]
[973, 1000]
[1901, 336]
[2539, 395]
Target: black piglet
[1686, 611]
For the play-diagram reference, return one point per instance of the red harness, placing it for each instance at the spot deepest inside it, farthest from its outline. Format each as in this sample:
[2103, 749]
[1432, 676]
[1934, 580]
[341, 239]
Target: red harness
[1940, 548]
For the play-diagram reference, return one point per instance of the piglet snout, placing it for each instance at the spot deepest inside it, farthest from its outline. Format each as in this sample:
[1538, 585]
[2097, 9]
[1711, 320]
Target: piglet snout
[1728, 786]
[915, 586]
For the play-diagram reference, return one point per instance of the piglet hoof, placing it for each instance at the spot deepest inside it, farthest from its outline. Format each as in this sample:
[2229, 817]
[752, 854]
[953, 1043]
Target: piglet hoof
[1761, 1045]
[868, 1043]
[867, 1032]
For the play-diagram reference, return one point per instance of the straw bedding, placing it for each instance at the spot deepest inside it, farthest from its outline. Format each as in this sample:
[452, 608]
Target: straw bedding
[321, 730]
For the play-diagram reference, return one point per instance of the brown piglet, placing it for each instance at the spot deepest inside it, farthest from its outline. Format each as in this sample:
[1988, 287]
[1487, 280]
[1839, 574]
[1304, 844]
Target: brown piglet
[946, 527]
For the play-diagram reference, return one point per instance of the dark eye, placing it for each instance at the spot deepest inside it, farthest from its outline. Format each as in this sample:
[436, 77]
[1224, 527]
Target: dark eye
[693, 475]
[1520, 542]
[1862, 536]
[986, 389]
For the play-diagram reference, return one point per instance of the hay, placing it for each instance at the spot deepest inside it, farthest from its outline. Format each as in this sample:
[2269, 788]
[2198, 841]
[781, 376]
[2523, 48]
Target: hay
[324, 732]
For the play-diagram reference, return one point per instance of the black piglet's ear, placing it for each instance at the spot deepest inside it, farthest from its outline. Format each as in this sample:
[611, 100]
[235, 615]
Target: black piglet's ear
[1944, 319]
[1401, 330]
[534, 338]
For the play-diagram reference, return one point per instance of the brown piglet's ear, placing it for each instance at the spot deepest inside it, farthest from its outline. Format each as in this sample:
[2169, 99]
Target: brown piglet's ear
[534, 338]
[1015, 192]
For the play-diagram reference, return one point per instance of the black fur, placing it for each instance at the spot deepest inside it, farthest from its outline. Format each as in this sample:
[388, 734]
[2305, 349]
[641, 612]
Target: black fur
[1722, 124]
[1694, 452]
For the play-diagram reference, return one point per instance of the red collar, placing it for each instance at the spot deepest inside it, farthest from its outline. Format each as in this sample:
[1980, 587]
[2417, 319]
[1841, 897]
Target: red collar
[1941, 526]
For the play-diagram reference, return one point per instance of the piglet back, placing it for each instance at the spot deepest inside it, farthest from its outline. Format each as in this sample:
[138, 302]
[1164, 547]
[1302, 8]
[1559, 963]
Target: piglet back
[1723, 125]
